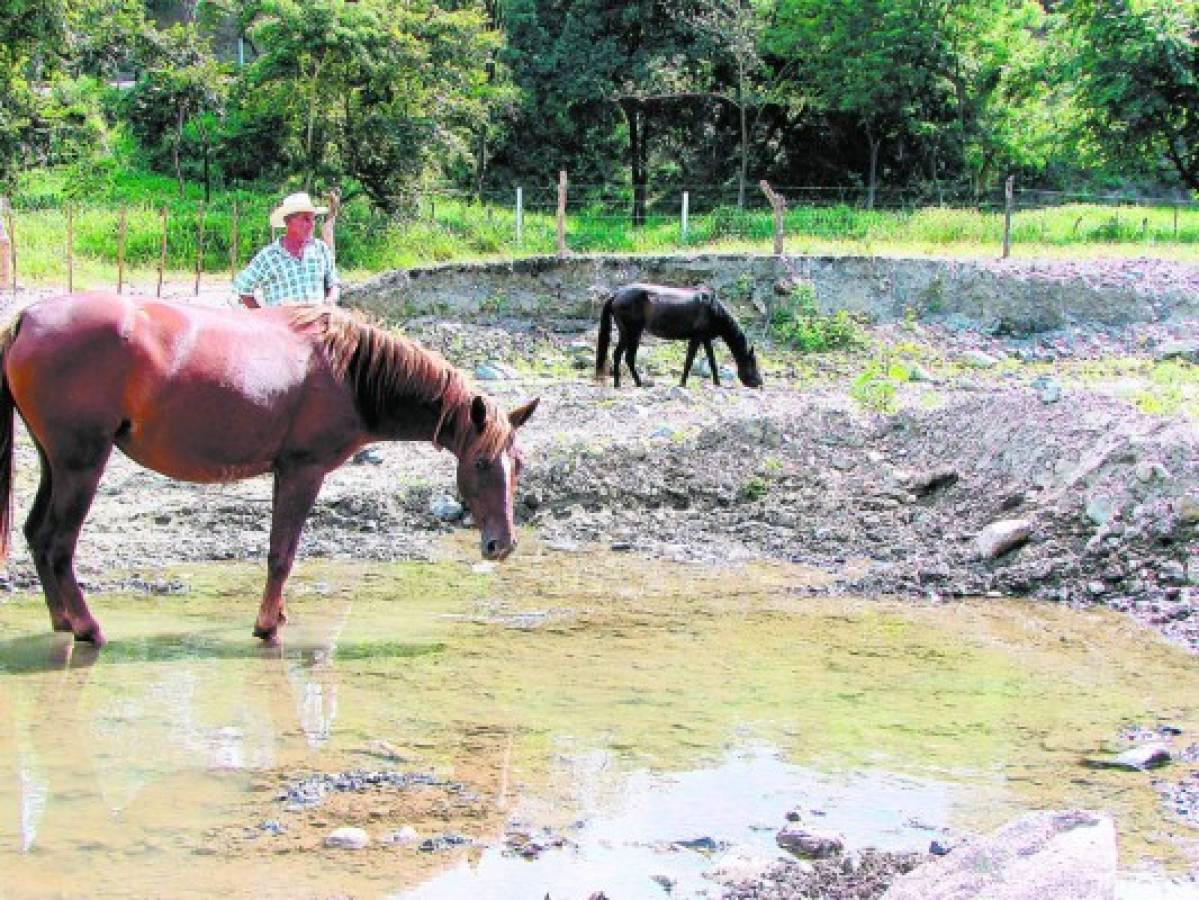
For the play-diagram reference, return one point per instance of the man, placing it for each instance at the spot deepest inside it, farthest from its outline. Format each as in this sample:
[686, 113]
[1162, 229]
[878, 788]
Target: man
[296, 268]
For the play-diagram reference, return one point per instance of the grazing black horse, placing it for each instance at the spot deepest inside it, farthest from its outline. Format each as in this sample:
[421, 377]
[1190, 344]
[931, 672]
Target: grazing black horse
[685, 314]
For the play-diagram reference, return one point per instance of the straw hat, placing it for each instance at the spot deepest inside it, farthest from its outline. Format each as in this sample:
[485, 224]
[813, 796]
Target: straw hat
[295, 203]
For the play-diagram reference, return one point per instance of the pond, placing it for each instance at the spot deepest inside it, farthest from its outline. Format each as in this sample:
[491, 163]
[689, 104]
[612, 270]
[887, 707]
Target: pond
[616, 719]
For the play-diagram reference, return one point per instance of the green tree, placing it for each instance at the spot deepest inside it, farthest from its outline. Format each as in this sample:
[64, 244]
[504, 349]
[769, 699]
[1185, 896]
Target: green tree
[581, 60]
[383, 92]
[42, 42]
[180, 88]
[1134, 68]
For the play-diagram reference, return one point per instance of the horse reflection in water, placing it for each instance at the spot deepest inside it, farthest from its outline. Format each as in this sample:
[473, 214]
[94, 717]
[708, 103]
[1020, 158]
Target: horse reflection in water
[214, 395]
[694, 315]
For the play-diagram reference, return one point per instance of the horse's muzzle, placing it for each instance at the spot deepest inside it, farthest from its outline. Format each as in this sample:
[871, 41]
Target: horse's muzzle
[495, 549]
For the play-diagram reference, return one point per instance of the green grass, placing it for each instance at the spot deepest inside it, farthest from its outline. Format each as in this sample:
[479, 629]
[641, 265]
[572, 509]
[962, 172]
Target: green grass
[453, 229]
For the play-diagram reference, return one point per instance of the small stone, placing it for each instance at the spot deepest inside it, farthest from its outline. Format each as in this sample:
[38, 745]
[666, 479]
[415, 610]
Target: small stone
[446, 508]
[348, 838]
[405, 835]
[1100, 508]
[1146, 756]
[1186, 350]
[809, 844]
[977, 359]
[489, 372]
[1188, 510]
[1000, 537]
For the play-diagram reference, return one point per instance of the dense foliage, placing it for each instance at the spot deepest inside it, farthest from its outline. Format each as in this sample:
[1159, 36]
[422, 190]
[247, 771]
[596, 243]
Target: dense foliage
[933, 97]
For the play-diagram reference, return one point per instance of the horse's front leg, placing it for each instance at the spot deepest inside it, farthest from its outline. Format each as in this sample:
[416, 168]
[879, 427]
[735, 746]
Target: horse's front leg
[712, 363]
[692, 346]
[295, 492]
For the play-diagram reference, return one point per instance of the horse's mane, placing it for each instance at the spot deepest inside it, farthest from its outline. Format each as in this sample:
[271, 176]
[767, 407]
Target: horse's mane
[382, 368]
[729, 329]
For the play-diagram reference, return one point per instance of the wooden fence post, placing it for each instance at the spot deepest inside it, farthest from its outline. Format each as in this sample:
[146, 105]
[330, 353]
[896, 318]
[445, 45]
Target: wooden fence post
[70, 248]
[122, 230]
[779, 205]
[520, 216]
[6, 248]
[199, 247]
[683, 225]
[12, 242]
[162, 256]
[1008, 194]
[233, 243]
[562, 251]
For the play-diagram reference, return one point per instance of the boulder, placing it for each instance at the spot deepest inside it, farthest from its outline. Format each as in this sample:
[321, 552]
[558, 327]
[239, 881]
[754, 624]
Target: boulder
[1051, 855]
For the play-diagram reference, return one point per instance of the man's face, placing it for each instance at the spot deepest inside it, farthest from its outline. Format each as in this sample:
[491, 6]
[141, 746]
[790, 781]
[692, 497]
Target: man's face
[300, 225]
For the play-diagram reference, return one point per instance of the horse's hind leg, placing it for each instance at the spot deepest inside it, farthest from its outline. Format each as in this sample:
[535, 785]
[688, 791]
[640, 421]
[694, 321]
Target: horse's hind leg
[616, 355]
[37, 534]
[630, 356]
[295, 492]
[712, 363]
[73, 487]
[692, 346]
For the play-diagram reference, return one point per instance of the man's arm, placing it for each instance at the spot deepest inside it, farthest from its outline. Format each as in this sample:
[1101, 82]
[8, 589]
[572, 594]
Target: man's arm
[330, 222]
[249, 301]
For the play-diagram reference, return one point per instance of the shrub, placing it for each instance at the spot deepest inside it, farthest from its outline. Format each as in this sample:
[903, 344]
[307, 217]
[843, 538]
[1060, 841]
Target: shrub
[798, 322]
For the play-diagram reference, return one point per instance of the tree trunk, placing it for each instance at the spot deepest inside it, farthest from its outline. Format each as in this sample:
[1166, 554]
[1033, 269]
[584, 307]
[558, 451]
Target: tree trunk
[480, 163]
[744, 173]
[872, 175]
[179, 117]
[632, 109]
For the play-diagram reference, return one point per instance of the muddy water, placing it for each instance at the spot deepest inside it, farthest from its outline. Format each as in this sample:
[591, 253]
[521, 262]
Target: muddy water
[609, 706]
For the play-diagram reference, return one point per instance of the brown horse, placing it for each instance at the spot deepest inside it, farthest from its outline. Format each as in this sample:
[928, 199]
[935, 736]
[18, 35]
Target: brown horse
[213, 395]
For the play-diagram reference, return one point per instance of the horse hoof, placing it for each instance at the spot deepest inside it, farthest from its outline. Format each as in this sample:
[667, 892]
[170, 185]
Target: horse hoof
[93, 636]
[269, 635]
[62, 626]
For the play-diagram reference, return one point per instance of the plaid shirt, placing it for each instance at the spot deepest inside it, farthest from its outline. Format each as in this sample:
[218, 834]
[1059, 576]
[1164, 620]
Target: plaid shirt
[286, 280]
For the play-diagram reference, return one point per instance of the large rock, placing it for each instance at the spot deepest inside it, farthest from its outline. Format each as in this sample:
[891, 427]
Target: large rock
[1053, 855]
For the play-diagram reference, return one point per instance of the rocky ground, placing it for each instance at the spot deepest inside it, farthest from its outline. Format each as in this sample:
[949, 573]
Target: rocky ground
[932, 462]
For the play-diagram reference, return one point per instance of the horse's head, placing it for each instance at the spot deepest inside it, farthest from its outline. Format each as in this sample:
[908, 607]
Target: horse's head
[487, 477]
[748, 371]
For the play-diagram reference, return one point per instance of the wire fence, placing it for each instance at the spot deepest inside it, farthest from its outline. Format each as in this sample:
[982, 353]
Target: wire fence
[48, 238]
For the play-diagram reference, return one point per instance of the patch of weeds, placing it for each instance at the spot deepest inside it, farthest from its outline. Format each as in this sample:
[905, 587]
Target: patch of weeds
[740, 290]
[494, 305]
[754, 488]
[772, 466]
[876, 387]
[1172, 389]
[798, 323]
[931, 400]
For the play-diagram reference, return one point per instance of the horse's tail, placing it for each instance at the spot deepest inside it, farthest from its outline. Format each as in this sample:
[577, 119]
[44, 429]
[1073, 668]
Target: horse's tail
[605, 338]
[7, 407]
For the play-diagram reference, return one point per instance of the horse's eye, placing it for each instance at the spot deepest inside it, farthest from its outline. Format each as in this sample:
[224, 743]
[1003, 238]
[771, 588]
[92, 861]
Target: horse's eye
[482, 464]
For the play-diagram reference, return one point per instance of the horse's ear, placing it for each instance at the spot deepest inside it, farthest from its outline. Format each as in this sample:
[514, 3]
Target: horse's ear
[521, 414]
[478, 412]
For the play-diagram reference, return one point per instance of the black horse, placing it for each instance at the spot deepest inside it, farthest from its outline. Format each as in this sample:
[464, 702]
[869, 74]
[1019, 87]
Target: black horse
[685, 314]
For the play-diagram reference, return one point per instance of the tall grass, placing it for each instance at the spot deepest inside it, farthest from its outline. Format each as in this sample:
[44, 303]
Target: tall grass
[446, 228]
